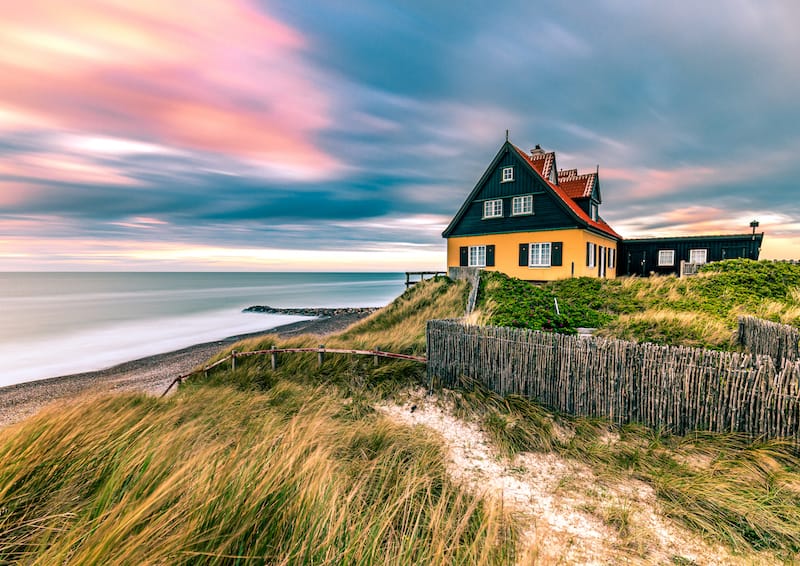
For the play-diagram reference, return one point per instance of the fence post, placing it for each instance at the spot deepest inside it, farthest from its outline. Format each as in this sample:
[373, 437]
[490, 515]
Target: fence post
[375, 358]
[274, 360]
[233, 360]
[321, 355]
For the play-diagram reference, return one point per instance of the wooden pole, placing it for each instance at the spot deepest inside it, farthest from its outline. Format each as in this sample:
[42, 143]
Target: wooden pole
[233, 360]
[321, 355]
[274, 361]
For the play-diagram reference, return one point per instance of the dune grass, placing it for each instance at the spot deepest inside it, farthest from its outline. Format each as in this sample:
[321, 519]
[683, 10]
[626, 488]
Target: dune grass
[699, 311]
[218, 476]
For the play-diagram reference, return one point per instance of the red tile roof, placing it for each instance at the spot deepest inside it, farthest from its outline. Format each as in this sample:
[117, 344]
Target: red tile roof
[542, 161]
[577, 187]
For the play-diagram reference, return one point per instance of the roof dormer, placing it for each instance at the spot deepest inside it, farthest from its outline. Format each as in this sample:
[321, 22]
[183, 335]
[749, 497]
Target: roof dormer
[545, 163]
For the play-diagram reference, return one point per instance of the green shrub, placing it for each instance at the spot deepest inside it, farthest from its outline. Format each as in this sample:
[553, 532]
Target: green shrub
[519, 304]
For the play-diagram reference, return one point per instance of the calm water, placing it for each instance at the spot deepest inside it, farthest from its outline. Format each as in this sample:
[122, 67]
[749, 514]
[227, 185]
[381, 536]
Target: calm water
[61, 323]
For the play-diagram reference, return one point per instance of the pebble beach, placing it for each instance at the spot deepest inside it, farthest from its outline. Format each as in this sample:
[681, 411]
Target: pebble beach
[151, 374]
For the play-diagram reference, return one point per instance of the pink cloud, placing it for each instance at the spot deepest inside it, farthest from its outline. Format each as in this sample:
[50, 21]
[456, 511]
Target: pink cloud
[54, 167]
[644, 183]
[218, 76]
[13, 193]
[695, 220]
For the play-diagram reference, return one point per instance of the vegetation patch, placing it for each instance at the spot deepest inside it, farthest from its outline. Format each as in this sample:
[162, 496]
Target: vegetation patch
[668, 327]
[699, 311]
[516, 303]
[219, 476]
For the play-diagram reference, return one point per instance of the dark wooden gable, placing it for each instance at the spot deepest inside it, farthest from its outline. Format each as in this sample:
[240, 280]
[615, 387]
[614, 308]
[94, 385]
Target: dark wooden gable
[549, 211]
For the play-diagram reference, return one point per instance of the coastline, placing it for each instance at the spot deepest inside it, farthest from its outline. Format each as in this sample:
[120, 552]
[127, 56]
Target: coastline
[151, 374]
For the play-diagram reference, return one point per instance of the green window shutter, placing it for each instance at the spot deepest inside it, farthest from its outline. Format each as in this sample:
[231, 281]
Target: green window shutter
[463, 256]
[556, 253]
[490, 255]
[523, 255]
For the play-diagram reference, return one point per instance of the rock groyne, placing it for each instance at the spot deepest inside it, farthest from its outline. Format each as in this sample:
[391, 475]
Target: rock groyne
[311, 311]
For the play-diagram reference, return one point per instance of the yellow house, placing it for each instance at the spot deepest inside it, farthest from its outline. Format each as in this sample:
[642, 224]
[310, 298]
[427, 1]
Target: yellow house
[529, 220]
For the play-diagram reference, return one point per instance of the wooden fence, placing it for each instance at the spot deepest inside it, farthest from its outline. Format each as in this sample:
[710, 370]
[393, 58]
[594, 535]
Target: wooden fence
[273, 353]
[767, 338]
[672, 388]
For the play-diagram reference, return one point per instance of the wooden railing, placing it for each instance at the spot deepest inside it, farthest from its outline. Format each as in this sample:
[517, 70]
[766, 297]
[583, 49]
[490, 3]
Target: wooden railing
[273, 352]
[421, 274]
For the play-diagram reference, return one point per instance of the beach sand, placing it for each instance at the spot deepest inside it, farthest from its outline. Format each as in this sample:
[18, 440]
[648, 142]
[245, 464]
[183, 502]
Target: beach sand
[152, 374]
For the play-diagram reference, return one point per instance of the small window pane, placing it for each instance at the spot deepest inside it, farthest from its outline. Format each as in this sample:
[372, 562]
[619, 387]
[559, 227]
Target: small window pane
[697, 256]
[666, 257]
[508, 174]
[477, 256]
[539, 255]
[493, 208]
[522, 205]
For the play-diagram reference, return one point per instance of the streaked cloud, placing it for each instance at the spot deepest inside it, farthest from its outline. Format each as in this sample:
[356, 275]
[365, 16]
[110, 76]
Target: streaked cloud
[238, 133]
[222, 77]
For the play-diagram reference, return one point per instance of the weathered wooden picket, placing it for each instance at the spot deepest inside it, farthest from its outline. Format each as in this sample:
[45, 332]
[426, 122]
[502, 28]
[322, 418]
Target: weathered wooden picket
[767, 338]
[672, 388]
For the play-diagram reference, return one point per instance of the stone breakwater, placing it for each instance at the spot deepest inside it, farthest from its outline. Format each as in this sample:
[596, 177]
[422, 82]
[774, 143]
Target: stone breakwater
[311, 311]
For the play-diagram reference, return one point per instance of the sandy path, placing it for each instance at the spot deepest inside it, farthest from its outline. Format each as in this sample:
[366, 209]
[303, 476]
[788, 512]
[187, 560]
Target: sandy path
[567, 513]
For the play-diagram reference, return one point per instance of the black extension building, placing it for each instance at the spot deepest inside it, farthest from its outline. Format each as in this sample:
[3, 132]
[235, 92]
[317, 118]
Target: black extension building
[663, 256]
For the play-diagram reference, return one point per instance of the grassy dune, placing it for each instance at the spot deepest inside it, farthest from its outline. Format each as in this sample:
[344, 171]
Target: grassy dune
[288, 476]
[295, 466]
[695, 311]
[248, 468]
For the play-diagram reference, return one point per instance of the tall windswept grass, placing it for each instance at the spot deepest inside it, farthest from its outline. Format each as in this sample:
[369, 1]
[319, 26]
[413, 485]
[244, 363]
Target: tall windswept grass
[400, 327]
[224, 477]
[663, 326]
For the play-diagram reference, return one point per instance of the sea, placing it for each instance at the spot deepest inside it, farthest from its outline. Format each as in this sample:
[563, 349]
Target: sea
[54, 324]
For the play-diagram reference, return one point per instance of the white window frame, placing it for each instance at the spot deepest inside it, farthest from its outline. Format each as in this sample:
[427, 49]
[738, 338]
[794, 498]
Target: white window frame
[522, 205]
[666, 258]
[543, 254]
[493, 208]
[507, 175]
[592, 254]
[612, 258]
[477, 256]
[593, 211]
[694, 255]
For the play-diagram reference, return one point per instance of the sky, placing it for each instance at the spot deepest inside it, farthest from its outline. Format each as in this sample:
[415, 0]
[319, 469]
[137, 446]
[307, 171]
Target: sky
[343, 136]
